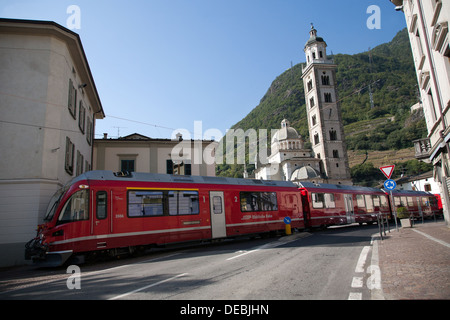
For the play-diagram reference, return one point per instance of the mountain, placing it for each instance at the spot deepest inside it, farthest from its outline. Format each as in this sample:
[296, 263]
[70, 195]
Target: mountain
[387, 70]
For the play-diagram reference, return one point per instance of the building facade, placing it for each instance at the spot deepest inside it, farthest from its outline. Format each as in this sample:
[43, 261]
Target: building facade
[49, 105]
[139, 153]
[323, 111]
[289, 159]
[427, 24]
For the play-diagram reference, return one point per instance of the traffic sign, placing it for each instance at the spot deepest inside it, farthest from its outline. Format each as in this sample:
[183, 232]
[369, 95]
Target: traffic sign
[387, 171]
[390, 184]
[287, 220]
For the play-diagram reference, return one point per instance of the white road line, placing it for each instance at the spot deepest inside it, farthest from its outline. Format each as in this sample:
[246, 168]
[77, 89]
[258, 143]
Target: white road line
[355, 296]
[432, 238]
[362, 259]
[146, 287]
[357, 282]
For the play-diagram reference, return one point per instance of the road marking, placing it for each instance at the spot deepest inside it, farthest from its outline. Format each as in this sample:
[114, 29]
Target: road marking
[355, 296]
[362, 259]
[146, 287]
[432, 238]
[357, 282]
[270, 245]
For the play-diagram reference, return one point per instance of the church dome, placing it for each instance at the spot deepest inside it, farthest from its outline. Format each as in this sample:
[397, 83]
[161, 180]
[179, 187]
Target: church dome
[313, 37]
[285, 133]
[305, 173]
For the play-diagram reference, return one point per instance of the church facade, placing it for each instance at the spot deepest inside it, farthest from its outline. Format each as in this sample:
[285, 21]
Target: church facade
[327, 161]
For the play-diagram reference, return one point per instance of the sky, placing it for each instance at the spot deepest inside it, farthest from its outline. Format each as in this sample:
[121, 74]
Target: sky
[164, 66]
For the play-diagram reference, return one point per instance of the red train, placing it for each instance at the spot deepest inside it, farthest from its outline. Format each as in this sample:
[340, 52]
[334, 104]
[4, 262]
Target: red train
[102, 211]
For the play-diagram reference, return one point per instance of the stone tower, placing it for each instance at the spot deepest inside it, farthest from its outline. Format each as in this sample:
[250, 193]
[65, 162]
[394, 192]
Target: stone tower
[323, 111]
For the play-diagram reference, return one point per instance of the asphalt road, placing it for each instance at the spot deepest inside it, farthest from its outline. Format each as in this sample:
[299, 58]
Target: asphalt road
[314, 265]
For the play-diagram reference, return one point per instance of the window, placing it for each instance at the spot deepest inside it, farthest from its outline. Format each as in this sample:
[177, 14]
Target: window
[217, 205]
[311, 102]
[327, 97]
[90, 130]
[70, 150]
[183, 202]
[325, 80]
[258, 201]
[323, 200]
[101, 205]
[314, 120]
[76, 208]
[72, 101]
[316, 139]
[333, 135]
[82, 117]
[80, 163]
[335, 154]
[149, 203]
[310, 85]
[360, 201]
[127, 165]
[369, 203]
[180, 168]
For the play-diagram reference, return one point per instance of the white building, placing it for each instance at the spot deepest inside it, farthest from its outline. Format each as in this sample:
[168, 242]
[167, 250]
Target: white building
[48, 106]
[139, 153]
[427, 24]
[289, 160]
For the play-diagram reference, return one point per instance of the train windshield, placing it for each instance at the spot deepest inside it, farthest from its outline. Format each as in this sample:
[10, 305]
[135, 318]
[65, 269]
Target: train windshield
[53, 204]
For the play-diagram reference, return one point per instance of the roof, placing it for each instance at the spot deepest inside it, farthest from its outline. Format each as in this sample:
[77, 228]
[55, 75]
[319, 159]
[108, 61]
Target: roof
[310, 186]
[166, 178]
[73, 42]
[305, 173]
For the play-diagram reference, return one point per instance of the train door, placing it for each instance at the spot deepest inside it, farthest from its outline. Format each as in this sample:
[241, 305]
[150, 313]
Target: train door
[100, 217]
[217, 207]
[349, 209]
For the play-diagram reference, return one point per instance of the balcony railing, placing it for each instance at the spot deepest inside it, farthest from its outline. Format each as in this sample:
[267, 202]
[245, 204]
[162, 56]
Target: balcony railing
[422, 149]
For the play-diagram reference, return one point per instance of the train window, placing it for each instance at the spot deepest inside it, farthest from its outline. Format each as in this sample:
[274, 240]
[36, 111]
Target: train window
[384, 202]
[76, 208]
[151, 203]
[369, 203]
[101, 204]
[183, 202]
[318, 200]
[329, 200]
[145, 203]
[217, 205]
[376, 201]
[397, 201]
[360, 202]
[410, 201]
[258, 201]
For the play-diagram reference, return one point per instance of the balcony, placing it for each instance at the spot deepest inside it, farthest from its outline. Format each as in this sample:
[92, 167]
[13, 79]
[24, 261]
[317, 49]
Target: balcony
[422, 149]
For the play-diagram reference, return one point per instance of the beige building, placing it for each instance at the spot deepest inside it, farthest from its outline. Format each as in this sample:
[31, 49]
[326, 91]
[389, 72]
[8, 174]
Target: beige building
[427, 24]
[138, 153]
[48, 106]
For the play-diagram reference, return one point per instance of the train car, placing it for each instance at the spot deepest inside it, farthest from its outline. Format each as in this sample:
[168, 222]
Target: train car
[111, 212]
[419, 204]
[329, 204]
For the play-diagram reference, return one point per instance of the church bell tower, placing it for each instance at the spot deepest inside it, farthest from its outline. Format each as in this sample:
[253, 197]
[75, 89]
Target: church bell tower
[323, 111]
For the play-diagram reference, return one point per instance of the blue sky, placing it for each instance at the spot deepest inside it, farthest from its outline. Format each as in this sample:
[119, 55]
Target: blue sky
[164, 64]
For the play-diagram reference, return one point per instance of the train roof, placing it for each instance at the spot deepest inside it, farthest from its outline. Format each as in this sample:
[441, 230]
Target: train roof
[338, 187]
[408, 192]
[157, 177]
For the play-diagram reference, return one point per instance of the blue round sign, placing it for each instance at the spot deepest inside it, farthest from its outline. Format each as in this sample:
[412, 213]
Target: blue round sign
[390, 184]
[287, 220]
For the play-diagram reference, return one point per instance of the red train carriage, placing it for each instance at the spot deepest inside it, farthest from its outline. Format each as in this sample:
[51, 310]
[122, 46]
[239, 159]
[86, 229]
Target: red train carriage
[417, 203]
[103, 211]
[329, 204]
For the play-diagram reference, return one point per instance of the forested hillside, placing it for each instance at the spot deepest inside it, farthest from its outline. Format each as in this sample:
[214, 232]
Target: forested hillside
[387, 71]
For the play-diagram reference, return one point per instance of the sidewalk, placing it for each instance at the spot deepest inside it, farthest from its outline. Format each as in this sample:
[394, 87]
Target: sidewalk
[415, 262]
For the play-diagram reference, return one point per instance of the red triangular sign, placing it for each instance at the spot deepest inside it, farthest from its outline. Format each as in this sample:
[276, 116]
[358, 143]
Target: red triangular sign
[387, 170]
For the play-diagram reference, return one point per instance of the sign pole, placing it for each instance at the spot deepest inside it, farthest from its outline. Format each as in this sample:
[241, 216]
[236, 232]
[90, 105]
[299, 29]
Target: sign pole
[393, 209]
